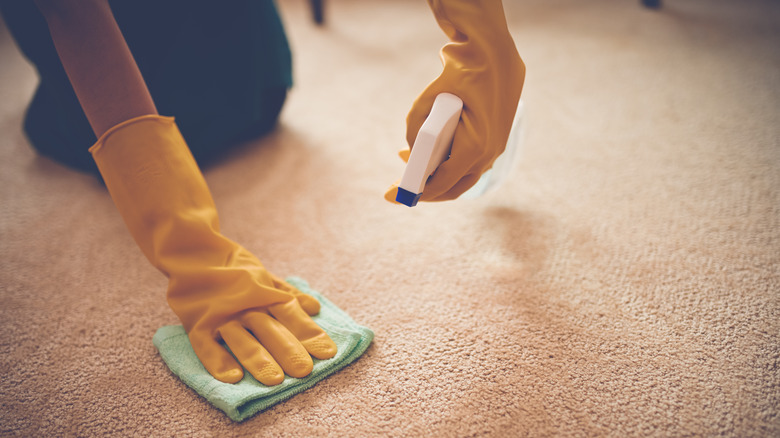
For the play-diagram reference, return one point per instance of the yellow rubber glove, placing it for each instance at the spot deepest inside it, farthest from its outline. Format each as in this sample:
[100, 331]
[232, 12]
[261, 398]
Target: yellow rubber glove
[218, 289]
[483, 68]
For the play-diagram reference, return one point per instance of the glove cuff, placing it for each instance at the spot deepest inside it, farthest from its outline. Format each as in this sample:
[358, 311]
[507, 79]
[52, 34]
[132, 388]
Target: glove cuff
[158, 189]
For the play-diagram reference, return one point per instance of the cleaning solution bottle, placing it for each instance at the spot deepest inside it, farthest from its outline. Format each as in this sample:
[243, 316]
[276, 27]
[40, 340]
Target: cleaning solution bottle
[433, 144]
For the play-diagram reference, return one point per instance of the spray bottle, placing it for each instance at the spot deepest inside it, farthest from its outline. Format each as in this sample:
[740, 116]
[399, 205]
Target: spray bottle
[433, 144]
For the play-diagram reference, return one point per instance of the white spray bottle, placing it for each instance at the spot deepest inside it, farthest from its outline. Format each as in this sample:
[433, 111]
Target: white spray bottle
[433, 144]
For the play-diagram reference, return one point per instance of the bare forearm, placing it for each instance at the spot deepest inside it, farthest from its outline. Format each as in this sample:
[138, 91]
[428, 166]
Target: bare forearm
[98, 62]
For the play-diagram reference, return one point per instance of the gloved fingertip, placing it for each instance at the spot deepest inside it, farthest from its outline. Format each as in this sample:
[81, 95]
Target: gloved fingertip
[391, 193]
[269, 375]
[309, 304]
[450, 180]
[272, 380]
[297, 365]
[321, 346]
[229, 376]
[216, 359]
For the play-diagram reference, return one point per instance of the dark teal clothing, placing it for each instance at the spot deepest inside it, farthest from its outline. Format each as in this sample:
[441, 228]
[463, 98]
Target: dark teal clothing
[222, 69]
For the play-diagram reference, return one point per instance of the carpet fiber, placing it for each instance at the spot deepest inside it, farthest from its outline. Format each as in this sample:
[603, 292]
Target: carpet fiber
[624, 282]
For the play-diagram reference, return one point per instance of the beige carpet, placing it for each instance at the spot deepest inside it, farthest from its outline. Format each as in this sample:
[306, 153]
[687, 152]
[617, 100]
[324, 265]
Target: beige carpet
[624, 282]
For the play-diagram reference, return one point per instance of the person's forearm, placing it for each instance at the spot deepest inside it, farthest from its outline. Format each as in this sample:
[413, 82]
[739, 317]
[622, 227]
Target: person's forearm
[98, 62]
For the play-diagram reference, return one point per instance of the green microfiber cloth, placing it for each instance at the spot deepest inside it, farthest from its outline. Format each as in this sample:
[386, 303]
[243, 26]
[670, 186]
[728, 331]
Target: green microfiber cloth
[248, 397]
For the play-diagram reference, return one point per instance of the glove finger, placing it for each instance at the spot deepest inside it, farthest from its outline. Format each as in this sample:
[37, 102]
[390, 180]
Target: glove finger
[392, 192]
[460, 171]
[308, 302]
[253, 356]
[285, 348]
[216, 359]
[460, 187]
[311, 336]
[452, 178]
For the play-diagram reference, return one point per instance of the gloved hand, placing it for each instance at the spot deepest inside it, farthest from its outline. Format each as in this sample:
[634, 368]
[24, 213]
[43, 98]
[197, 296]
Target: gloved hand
[218, 289]
[483, 68]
